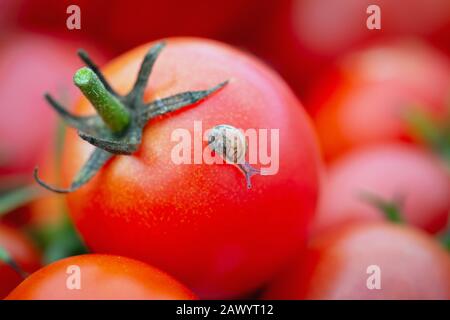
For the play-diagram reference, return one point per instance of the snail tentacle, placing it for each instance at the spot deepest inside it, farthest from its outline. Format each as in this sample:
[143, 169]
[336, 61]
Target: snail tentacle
[248, 171]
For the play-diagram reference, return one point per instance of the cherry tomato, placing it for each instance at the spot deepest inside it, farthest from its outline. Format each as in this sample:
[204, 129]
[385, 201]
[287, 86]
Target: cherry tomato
[8, 9]
[367, 98]
[101, 277]
[22, 252]
[199, 222]
[402, 175]
[307, 35]
[31, 64]
[368, 261]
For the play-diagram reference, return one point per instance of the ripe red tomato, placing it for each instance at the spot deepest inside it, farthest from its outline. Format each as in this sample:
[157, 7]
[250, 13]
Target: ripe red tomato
[31, 65]
[341, 264]
[199, 222]
[8, 9]
[309, 34]
[21, 250]
[101, 277]
[367, 98]
[391, 173]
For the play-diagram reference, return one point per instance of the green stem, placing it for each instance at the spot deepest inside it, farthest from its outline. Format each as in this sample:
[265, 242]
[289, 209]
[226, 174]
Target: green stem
[110, 109]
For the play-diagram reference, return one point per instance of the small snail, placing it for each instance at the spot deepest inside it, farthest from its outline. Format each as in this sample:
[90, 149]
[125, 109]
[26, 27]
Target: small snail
[229, 142]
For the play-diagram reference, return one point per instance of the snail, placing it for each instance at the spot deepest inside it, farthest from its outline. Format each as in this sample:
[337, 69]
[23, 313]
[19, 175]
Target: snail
[229, 142]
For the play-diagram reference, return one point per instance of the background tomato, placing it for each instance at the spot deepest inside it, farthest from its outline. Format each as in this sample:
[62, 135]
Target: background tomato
[413, 266]
[24, 254]
[365, 100]
[199, 222]
[31, 65]
[102, 277]
[394, 173]
[306, 36]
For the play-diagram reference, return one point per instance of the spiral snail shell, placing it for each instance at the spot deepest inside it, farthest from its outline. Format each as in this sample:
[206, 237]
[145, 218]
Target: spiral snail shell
[230, 143]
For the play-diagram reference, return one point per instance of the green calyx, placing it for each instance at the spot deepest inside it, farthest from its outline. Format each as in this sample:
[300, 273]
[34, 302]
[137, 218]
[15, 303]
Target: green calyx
[390, 209]
[445, 240]
[118, 127]
[435, 134]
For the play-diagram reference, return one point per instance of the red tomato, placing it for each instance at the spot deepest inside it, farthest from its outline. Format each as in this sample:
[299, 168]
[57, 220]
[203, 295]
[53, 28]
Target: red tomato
[31, 65]
[392, 173]
[8, 9]
[199, 222]
[102, 277]
[308, 34]
[341, 264]
[366, 100]
[22, 252]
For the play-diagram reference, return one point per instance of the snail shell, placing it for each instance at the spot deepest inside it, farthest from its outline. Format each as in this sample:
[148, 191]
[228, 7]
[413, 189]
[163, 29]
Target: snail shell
[229, 142]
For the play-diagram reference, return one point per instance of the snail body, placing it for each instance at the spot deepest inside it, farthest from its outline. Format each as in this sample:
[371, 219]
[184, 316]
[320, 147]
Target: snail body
[230, 143]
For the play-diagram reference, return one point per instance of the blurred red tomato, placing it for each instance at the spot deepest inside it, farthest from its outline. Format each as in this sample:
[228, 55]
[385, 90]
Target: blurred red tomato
[102, 277]
[21, 250]
[209, 229]
[308, 34]
[391, 173]
[31, 64]
[8, 12]
[123, 24]
[341, 264]
[367, 97]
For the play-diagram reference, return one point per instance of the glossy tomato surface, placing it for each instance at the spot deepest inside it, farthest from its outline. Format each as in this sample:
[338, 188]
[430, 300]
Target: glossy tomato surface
[366, 99]
[399, 174]
[22, 251]
[341, 264]
[101, 277]
[197, 221]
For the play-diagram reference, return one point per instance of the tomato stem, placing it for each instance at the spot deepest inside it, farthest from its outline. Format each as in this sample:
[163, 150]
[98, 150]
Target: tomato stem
[110, 109]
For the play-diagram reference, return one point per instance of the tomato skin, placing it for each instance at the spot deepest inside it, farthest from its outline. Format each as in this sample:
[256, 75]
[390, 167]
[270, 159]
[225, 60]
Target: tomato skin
[26, 122]
[369, 92]
[103, 277]
[395, 172]
[413, 266]
[23, 253]
[199, 222]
